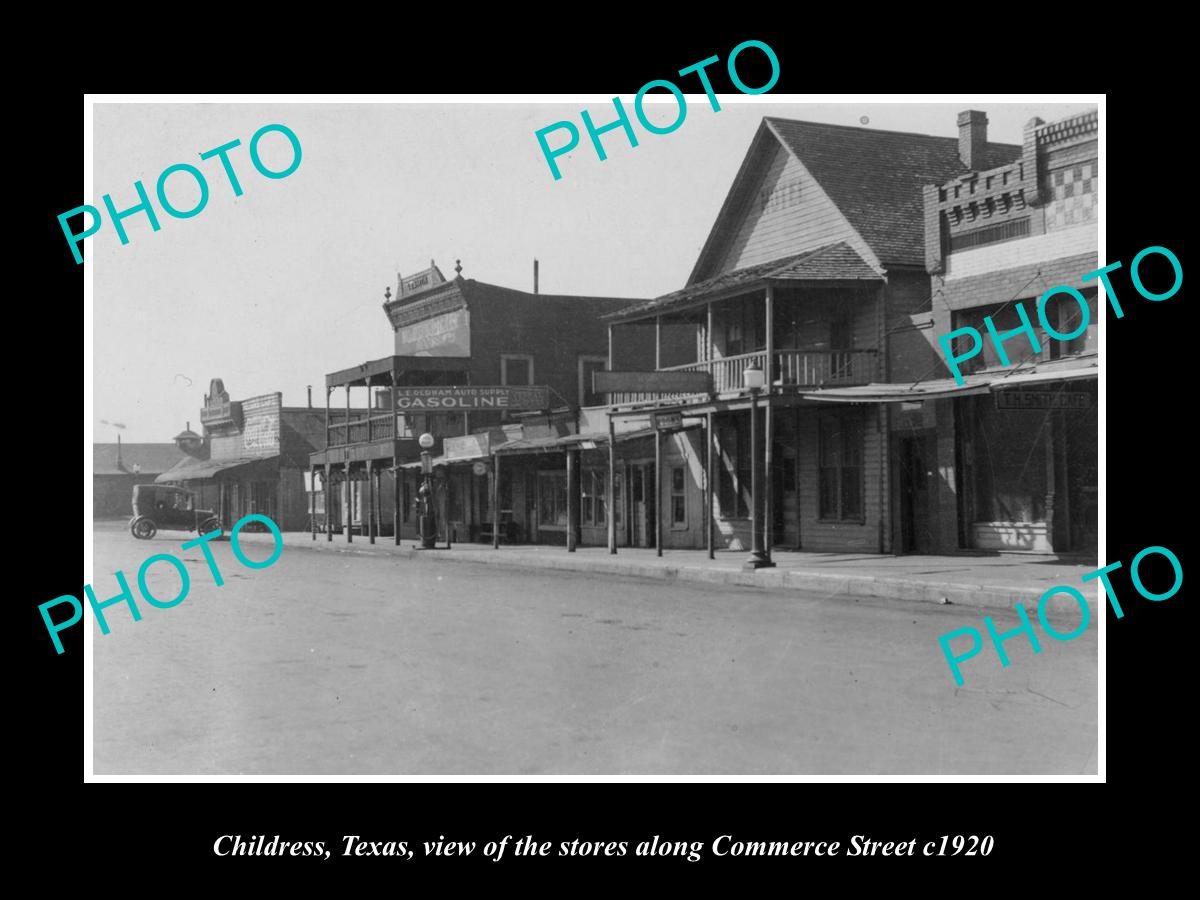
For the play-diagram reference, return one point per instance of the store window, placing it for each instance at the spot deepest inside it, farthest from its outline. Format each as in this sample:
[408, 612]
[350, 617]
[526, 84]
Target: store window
[678, 497]
[840, 456]
[516, 369]
[552, 499]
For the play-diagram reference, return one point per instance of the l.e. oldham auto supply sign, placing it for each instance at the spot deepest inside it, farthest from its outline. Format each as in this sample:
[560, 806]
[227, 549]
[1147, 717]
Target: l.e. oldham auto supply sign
[469, 398]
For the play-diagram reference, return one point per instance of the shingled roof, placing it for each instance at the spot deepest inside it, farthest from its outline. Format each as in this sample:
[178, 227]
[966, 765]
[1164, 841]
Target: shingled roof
[876, 177]
[833, 262]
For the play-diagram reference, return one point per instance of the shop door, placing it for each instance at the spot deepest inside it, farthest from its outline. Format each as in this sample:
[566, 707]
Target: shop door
[642, 490]
[915, 533]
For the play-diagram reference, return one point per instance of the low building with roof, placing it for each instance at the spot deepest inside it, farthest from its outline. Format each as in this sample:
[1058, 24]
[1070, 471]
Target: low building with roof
[116, 468]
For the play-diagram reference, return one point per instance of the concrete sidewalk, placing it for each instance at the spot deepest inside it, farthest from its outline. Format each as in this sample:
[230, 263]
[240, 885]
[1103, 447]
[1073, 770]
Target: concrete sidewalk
[998, 581]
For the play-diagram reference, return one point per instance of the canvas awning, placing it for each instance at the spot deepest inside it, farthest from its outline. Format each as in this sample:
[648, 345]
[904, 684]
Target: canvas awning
[545, 444]
[1074, 369]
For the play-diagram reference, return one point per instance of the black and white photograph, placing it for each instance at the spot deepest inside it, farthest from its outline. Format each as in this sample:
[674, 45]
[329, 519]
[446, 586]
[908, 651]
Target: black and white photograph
[667, 437]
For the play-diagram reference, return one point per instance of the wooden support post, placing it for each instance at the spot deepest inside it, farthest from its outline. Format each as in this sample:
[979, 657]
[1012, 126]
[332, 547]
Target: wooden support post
[370, 436]
[769, 485]
[312, 500]
[611, 489]
[1051, 486]
[658, 342]
[328, 505]
[349, 483]
[495, 501]
[769, 363]
[768, 506]
[349, 503]
[658, 481]
[370, 502]
[572, 500]
[395, 498]
[709, 487]
[709, 339]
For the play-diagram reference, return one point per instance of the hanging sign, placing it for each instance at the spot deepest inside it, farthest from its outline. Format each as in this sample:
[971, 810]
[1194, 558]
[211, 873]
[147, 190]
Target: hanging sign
[459, 399]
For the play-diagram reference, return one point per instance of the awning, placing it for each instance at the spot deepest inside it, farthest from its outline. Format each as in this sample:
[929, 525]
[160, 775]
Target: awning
[204, 469]
[547, 444]
[1074, 369]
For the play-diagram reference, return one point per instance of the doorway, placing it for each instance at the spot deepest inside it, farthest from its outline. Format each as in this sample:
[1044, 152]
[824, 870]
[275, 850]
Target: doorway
[641, 492]
[785, 502]
[916, 535]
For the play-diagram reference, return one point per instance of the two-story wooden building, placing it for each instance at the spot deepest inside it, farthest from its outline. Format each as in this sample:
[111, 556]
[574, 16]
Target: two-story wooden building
[838, 259]
[454, 333]
[818, 248]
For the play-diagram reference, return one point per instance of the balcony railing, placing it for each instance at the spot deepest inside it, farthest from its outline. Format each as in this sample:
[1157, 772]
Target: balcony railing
[826, 368]
[359, 429]
[796, 368]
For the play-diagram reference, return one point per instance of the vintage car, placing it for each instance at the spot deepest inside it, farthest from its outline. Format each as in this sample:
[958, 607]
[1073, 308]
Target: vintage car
[158, 506]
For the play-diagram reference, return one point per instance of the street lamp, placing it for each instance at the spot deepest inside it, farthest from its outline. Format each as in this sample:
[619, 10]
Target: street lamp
[754, 380]
[425, 523]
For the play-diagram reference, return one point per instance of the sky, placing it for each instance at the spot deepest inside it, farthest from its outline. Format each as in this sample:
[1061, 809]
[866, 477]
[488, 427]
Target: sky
[271, 290]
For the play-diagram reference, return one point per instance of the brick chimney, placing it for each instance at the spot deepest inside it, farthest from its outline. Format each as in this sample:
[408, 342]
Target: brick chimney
[972, 137]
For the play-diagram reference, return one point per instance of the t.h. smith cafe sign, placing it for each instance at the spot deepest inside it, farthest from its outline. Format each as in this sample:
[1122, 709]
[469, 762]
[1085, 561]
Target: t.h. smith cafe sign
[454, 399]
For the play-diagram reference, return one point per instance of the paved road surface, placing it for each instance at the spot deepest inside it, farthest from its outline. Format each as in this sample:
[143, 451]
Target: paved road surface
[362, 665]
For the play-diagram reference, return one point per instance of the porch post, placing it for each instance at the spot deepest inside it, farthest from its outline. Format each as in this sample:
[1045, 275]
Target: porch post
[495, 501]
[658, 480]
[327, 504]
[611, 489]
[312, 500]
[769, 429]
[349, 503]
[769, 363]
[369, 434]
[572, 500]
[370, 500]
[658, 342]
[395, 492]
[709, 454]
[349, 492]
[1051, 486]
[708, 335]
[769, 481]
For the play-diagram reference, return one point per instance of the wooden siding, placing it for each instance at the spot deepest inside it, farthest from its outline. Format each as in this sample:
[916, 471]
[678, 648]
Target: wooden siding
[767, 230]
[819, 535]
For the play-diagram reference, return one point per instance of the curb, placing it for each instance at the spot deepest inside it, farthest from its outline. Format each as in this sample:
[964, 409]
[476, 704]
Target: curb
[881, 587]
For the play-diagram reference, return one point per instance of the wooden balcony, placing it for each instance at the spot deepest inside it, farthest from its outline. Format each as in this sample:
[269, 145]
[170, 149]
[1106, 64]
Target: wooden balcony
[359, 429]
[792, 368]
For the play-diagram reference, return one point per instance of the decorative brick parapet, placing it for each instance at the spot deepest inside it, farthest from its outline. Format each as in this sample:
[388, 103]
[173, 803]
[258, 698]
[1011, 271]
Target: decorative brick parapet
[999, 204]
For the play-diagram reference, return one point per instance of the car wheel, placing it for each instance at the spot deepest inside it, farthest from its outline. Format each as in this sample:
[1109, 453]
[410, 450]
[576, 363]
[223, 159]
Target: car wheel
[143, 529]
[210, 525]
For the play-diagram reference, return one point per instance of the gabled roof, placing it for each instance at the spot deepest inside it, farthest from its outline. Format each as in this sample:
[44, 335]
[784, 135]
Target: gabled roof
[833, 262]
[874, 177]
[149, 459]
